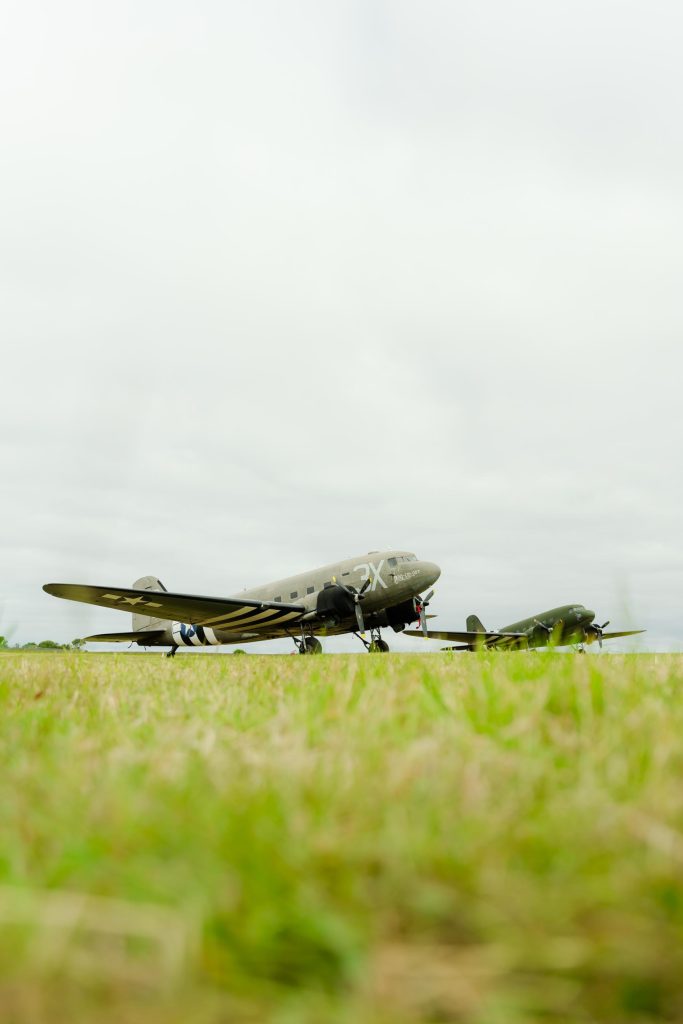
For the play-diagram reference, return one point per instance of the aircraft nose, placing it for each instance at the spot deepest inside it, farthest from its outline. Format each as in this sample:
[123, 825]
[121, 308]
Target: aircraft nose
[587, 612]
[430, 573]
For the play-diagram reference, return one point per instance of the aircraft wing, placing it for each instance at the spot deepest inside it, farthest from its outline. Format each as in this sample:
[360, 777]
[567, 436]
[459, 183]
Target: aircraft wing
[229, 613]
[494, 639]
[627, 632]
[466, 637]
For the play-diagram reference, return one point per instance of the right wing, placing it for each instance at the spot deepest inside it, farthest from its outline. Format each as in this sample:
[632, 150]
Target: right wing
[228, 613]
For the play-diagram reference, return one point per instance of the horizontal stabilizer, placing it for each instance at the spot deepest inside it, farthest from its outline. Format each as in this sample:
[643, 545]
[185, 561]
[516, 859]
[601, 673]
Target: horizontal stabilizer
[150, 636]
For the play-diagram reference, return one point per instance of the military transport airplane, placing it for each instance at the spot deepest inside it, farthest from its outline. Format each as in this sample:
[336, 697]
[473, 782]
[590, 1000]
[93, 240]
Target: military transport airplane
[571, 624]
[375, 590]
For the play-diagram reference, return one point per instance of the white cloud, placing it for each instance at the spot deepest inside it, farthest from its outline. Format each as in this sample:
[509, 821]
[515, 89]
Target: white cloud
[281, 283]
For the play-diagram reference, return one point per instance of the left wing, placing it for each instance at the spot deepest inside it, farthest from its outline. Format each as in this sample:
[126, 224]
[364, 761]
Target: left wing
[467, 637]
[494, 639]
[229, 613]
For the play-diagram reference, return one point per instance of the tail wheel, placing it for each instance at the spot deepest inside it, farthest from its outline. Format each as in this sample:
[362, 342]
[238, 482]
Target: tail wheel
[378, 647]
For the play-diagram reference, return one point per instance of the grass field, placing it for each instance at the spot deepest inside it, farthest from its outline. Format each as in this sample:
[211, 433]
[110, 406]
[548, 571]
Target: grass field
[488, 839]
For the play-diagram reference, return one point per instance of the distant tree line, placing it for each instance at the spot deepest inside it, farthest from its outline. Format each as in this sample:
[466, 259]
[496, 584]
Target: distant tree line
[44, 645]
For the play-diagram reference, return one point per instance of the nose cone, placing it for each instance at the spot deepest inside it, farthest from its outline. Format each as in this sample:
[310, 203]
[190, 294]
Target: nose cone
[429, 573]
[588, 614]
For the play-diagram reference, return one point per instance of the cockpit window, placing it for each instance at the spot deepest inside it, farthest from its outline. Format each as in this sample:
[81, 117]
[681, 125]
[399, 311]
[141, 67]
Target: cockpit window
[392, 562]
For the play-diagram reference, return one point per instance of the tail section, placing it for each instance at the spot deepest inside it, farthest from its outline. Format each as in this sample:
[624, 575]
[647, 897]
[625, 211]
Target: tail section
[144, 623]
[474, 624]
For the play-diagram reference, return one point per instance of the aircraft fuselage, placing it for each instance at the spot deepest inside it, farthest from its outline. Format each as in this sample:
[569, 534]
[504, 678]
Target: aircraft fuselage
[568, 624]
[392, 580]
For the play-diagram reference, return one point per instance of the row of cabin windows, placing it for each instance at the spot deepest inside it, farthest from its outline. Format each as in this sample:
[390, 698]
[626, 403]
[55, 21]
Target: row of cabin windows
[309, 590]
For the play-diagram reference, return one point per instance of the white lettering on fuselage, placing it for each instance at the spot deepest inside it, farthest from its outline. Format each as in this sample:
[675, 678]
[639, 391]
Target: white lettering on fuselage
[371, 571]
[401, 577]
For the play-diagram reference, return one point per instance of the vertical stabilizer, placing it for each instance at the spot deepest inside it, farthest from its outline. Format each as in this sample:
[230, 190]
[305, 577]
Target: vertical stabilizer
[474, 624]
[144, 622]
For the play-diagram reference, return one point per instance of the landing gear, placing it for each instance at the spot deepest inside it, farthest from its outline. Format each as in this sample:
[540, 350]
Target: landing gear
[308, 645]
[375, 645]
[171, 653]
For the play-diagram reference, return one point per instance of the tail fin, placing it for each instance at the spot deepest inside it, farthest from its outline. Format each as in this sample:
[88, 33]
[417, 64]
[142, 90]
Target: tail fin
[475, 625]
[145, 622]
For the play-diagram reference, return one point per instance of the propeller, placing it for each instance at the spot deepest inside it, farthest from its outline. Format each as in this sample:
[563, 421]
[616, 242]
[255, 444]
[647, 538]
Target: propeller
[421, 609]
[554, 632]
[357, 596]
[598, 631]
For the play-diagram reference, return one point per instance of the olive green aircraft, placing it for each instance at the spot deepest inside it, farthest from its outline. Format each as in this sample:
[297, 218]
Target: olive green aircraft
[569, 625]
[377, 590]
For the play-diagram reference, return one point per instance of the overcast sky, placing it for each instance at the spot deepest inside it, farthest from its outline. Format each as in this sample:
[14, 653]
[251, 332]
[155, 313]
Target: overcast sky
[284, 282]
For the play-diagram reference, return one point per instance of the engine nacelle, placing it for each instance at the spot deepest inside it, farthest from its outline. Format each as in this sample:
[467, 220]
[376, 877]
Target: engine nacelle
[335, 603]
[187, 635]
[399, 616]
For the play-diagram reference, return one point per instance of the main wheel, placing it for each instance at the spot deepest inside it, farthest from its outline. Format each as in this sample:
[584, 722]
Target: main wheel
[311, 646]
[378, 647]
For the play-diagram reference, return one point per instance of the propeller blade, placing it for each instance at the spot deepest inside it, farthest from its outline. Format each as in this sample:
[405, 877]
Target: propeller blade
[357, 596]
[597, 630]
[427, 599]
[423, 621]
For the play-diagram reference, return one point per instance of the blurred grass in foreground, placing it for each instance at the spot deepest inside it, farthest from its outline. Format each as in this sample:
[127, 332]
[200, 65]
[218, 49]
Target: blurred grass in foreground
[488, 839]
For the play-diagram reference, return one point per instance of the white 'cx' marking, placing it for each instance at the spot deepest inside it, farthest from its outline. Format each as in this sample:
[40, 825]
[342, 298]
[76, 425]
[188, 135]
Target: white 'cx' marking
[369, 569]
